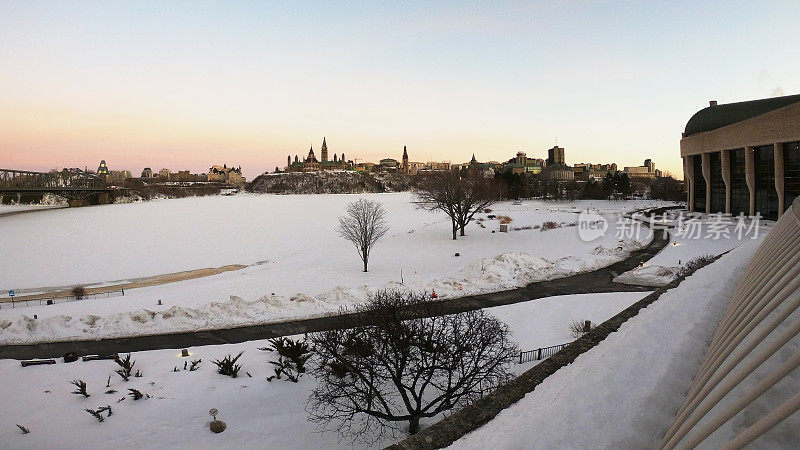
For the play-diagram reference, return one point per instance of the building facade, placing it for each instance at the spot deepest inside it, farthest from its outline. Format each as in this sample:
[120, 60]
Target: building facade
[102, 170]
[117, 176]
[588, 171]
[743, 158]
[225, 174]
[555, 156]
[648, 170]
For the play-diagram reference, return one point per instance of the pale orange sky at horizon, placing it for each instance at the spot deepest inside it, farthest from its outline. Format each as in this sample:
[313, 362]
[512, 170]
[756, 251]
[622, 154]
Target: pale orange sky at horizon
[187, 86]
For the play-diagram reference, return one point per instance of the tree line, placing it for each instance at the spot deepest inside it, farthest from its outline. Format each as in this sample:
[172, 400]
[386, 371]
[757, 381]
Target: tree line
[613, 185]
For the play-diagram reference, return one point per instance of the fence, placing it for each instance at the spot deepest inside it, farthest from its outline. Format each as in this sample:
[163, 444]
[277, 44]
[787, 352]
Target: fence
[540, 353]
[54, 300]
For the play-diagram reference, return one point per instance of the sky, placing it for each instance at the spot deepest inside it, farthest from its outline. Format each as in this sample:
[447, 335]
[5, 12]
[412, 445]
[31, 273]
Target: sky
[185, 85]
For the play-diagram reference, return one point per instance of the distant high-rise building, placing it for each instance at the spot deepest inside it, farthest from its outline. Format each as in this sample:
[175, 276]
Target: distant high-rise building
[405, 160]
[555, 156]
[147, 173]
[324, 149]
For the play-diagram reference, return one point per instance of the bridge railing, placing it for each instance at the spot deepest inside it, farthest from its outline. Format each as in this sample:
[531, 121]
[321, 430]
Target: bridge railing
[11, 178]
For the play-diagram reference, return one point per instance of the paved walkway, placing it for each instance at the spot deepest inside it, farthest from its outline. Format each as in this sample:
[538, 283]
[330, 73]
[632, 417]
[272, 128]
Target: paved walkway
[597, 281]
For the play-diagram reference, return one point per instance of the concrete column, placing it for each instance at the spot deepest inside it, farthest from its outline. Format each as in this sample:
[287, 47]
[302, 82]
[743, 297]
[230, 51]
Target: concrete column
[779, 178]
[688, 174]
[706, 158]
[725, 157]
[750, 177]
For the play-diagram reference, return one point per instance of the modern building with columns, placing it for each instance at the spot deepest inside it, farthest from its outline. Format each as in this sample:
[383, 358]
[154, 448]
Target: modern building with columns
[743, 158]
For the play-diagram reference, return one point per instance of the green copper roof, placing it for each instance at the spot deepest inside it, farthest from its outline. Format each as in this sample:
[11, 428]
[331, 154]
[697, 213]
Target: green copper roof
[714, 117]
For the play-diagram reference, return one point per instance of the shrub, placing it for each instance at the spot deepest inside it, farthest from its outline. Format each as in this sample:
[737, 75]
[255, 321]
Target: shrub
[80, 388]
[135, 394]
[78, 292]
[292, 357]
[24, 430]
[577, 328]
[98, 413]
[694, 264]
[227, 365]
[126, 367]
[194, 365]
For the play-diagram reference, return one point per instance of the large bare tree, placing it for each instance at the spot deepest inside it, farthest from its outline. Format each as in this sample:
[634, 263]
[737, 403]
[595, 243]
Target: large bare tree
[413, 362]
[364, 225]
[477, 193]
[459, 195]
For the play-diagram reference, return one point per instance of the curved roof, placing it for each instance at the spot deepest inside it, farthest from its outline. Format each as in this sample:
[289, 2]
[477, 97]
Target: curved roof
[714, 117]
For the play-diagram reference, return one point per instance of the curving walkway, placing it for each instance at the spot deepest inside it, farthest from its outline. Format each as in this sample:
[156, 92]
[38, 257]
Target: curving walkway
[596, 281]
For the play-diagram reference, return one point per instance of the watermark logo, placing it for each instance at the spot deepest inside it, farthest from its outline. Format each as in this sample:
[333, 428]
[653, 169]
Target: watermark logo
[591, 226]
[681, 225]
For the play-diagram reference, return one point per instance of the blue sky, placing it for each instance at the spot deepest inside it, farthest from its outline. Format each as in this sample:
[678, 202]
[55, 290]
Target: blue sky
[189, 84]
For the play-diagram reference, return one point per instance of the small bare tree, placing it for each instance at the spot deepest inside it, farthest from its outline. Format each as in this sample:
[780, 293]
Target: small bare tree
[364, 225]
[414, 361]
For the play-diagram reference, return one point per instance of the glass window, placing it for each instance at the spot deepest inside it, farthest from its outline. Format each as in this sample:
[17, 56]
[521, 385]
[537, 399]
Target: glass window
[699, 184]
[740, 195]
[717, 184]
[791, 173]
[766, 195]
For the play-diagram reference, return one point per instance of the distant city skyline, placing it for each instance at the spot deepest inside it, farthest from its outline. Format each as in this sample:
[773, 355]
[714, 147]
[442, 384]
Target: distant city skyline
[190, 85]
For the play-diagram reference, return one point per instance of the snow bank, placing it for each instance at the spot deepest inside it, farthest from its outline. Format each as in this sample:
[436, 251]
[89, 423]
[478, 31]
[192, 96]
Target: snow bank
[624, 392]
[649, 275]
[516, 269]
[505, 271]
[228, 314]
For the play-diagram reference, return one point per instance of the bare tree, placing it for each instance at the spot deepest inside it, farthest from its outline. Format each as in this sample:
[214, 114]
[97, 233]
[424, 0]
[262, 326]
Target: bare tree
[477, 193]
[364, 224]
[460, 196]
[440, 191]
[414, 361]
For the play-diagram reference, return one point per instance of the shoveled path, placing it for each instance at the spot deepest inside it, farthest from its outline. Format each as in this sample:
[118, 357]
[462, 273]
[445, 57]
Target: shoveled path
[596, 281]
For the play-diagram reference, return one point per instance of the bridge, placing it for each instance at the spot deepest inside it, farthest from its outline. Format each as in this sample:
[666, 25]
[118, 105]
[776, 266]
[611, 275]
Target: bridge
[78, 188]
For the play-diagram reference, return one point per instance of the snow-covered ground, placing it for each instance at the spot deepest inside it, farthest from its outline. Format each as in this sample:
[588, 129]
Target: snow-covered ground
[259, 414]
[624, 392]
[702, 238]
[291, 250]
[14, 208]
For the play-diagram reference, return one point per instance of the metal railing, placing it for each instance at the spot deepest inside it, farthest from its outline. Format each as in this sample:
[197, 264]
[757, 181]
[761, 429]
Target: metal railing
[761, 319]
[11, 179]
[540, 353]
[56, 299]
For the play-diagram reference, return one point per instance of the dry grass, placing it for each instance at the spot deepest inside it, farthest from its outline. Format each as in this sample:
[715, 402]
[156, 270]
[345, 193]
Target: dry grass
[550, 225]
[504, 219]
